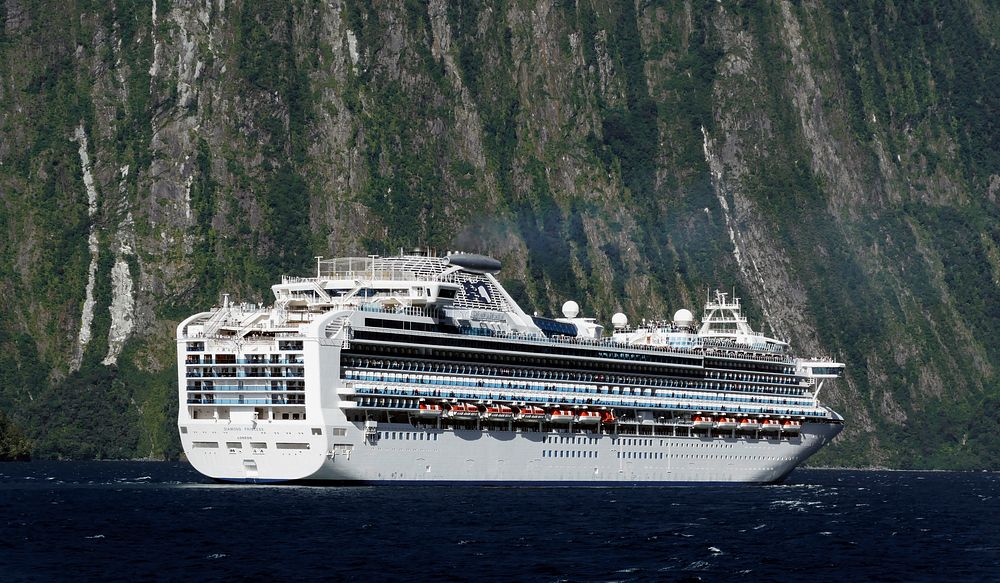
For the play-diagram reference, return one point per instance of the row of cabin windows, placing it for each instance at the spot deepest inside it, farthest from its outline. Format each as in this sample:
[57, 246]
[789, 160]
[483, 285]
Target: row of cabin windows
[659, 455]
[688, 379]
[499, 345]
[765, 398]
[407, 435]
[555, 369]
[569, 453]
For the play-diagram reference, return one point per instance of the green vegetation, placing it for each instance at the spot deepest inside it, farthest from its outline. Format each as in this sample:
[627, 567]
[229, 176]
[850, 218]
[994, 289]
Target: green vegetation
[575, 134]
[13, 445]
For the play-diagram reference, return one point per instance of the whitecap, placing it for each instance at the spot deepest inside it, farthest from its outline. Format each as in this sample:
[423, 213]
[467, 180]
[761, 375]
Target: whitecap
[715, 550]
[697, 566]
[216, 556]
[95, 536]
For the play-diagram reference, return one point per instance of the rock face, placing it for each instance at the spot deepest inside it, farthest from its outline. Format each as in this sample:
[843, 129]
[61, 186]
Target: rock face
[837, 165]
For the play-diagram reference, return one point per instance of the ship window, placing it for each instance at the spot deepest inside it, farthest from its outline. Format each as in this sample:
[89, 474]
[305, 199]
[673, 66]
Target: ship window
[206, 444]
[292, 445]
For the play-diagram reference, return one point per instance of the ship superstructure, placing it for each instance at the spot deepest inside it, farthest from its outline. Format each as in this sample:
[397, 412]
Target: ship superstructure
[422, 368]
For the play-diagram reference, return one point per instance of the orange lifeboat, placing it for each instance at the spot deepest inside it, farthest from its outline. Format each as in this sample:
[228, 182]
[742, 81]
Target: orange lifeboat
[429, 410]
[749, 424]
[770, 425]
[607, 417]
[699, 422]
[727, 423]
[530, 413]
[463, 411]
[589, 417]
[791, 426]
[499, 412]
[561, 416]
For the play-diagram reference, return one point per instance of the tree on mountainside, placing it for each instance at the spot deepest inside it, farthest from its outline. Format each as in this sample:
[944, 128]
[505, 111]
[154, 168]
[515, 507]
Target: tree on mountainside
[13, 445]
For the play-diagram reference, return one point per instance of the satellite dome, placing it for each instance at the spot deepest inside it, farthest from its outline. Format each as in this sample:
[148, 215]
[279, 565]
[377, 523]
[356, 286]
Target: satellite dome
[571, 309]
[683, 317]
[619, 320]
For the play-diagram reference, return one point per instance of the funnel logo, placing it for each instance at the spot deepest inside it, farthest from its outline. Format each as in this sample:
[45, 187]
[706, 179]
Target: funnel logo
[477, 292]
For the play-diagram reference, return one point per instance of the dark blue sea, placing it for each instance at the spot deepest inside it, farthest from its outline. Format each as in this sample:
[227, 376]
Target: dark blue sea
[140, 521]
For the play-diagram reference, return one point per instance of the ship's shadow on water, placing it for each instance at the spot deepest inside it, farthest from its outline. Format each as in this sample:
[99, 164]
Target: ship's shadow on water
[142, 521]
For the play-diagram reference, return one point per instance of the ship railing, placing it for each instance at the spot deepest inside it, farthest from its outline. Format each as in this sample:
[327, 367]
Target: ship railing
[245, 388]
[545, 399]
[262, 374]
[283, 361]
[733, 386]
[408, 310]
[193, 401]
[246, 375]
[701, 402]
[571, 341]
[565, 385]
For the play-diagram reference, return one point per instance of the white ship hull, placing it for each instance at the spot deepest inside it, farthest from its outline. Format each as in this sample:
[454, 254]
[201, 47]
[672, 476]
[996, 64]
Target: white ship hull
[404, 453]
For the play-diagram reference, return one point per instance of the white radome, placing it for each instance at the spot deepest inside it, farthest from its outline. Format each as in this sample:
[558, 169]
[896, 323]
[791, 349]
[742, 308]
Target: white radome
[683, 317]
[571, 309]
[619, 320]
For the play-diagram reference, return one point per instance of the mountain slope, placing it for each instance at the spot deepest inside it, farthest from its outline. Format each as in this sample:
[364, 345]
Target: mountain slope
[837, 166]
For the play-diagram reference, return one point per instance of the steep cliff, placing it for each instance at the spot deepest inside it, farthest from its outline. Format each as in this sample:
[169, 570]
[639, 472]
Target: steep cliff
[837, 165]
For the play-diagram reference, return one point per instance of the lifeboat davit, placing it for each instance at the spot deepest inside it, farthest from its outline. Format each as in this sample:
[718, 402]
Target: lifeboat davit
[463, 411]
[589, 417]
[749, 424]
[791, 426]
[770, 425]
[699, 422]
[727, 423]
[499, 412]
[561, 416]
[429, 410]
[531, 413]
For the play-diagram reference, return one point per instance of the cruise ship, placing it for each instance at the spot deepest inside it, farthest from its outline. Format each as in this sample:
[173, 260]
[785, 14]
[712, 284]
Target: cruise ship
[420, 368]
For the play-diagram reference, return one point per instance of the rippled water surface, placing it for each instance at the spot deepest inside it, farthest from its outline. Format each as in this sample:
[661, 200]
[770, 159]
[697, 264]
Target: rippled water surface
[140, 521]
